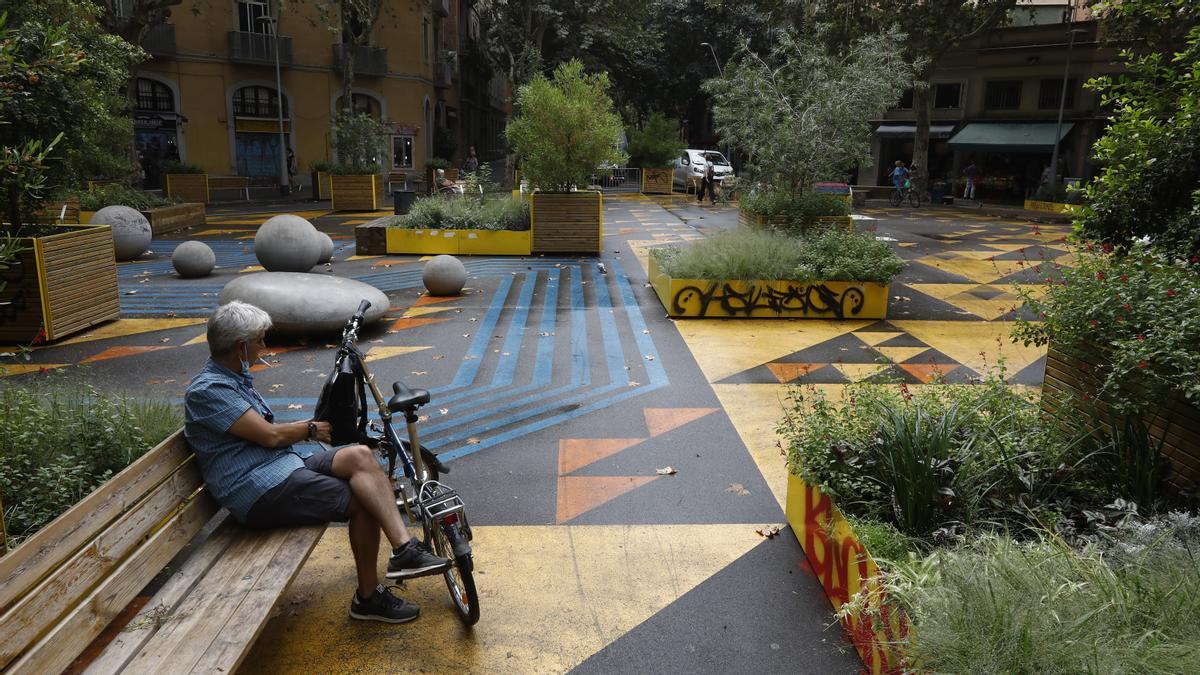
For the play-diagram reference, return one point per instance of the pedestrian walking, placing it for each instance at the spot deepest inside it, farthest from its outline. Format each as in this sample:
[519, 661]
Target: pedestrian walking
[472, 163]
[972, 173]
[706, 183]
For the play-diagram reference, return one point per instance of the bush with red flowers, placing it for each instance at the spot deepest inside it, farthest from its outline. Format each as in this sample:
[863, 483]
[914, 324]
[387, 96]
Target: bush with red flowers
[1140, 308]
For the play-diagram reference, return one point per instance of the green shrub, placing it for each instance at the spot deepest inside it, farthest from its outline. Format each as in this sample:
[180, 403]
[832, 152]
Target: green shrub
[997, 606]
[656, 144]
[565, 127]
[174, 166]
[100, 196]
[447, 212]
[886, 544]
[753, 254]
[57, 447]
[359, 141]
[323, 166]
[1139, 309]
[801, 209]
[438, 163]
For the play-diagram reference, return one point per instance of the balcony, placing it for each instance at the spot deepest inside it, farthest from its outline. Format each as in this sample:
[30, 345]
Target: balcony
[441, 7]
[160, 40]
[368, 60]
[258, 48]
[443, 69]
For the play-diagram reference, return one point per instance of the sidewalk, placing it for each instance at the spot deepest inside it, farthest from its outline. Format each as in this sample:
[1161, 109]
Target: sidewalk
[997, 210]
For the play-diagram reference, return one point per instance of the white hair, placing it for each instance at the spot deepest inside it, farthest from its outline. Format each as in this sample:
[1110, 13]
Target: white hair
[233, 323]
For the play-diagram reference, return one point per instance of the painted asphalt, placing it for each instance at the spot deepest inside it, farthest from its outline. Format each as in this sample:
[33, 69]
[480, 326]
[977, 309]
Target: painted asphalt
[559, 390]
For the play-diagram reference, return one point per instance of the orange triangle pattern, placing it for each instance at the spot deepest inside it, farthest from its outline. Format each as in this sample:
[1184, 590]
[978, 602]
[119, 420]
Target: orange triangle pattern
[428, 299]
[576, 453]
[786, 372]
[927, 372]
[413, 322]
[579, 494]
[278, 350]
[121, 351]
[661, 420]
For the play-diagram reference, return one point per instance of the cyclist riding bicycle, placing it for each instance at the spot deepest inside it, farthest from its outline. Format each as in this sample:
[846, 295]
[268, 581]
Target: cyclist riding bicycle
[900, 176]
[258, 469]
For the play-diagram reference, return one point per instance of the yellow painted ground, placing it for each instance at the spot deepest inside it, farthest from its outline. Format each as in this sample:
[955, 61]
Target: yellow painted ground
[551, 596]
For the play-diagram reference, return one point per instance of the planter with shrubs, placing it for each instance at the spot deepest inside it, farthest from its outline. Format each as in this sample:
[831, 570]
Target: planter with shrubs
[779, 210]
[164, 214]
[654, 148]
[755, 273]
[458, 225]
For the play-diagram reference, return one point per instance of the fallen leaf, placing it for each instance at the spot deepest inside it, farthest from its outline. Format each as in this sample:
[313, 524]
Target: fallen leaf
[634, 383]
[666, 471]
[472, 441]
[130, 292]
[165, 340]
[419, 373]
[737, 489]
[444, 411]
[768, 531]
[295, 406]
[648, 357]
[275, 387]
[466, 335]
[438, 357]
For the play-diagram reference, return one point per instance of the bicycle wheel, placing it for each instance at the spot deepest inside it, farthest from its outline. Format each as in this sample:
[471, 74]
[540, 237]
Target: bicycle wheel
[897, 197]
[458, 578]
[914, 199]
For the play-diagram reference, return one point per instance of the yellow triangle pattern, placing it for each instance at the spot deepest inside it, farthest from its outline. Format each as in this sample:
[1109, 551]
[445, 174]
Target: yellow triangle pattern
[379, 352]
[901, 354]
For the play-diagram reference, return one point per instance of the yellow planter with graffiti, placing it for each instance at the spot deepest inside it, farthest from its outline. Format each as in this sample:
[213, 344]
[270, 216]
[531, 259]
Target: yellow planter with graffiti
[736, 298]
[836, 557]
[458, 242]
[1049, 207]
[658, 181]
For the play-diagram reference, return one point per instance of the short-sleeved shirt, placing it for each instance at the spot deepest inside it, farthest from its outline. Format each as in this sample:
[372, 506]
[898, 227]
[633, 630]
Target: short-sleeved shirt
[236, 471]
[899, 175]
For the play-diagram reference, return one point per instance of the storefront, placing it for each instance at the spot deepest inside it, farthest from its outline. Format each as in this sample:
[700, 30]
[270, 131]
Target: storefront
[896, 143]
[156, 130]
[256, 131]
[1011, 155]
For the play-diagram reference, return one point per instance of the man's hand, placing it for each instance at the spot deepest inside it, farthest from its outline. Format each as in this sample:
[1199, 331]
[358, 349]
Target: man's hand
[324, 431]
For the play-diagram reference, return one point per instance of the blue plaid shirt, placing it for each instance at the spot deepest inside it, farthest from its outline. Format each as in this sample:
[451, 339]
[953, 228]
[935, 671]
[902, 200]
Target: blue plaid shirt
[237, 471]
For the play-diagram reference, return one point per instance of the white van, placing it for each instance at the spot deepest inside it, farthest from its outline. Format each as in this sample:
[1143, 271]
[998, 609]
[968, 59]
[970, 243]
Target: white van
[690, 166]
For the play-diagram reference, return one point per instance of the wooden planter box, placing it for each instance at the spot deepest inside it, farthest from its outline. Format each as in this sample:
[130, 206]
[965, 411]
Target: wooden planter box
[355, 192]
[63, 283]
[175, 217]
[1070, 377]
[658, 181]
[322, 185]
[844, 566]
[754, 220]
[736, 298]
[405, 240]
[1049, 207]
[566, 222]
[188, 187]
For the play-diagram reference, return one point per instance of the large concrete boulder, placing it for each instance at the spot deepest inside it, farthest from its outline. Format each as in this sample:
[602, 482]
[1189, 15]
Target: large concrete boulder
[326, 248]
[193, 259]
[305, 303]
[444, 275]
[287, 243]
[131, 231]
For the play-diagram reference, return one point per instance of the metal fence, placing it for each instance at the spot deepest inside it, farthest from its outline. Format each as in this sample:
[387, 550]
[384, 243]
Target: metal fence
[618, 179]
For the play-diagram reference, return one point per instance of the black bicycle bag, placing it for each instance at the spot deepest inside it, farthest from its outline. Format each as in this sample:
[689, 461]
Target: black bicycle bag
[343, 403]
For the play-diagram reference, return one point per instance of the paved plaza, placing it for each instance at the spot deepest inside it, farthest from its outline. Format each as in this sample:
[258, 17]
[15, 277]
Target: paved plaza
[559, 390]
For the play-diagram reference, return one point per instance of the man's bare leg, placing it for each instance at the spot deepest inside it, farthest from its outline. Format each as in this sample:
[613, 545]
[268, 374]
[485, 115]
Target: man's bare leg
[364, 544]
[371, 488]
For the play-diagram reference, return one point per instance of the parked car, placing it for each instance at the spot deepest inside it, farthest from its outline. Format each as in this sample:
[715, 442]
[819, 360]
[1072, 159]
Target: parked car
[690, 166]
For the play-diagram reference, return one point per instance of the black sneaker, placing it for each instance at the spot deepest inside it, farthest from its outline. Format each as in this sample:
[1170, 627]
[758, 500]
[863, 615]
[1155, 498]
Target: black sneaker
[383, 606]
[415, 560]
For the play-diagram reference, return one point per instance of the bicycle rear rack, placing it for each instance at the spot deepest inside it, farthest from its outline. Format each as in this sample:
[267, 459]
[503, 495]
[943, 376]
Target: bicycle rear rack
[437, 501]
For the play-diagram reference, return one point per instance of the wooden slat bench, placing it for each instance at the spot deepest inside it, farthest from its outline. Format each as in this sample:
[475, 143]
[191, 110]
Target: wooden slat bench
[241, 183]
[85, 571]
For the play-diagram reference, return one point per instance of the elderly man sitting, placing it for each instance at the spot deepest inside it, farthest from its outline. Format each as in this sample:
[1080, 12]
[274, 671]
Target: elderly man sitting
[252, 467]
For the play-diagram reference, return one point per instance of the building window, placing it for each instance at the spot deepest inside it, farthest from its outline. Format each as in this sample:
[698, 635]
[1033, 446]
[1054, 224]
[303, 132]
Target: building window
[1003, 95]
[1050, 92]
[257, 102]
[402, 152]
[154, 96]
[361, 103]
[947, 95]
[906, 100]
[249, 13]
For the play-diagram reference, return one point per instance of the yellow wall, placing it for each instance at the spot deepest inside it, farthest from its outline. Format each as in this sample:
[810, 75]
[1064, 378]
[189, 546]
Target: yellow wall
[204, 80]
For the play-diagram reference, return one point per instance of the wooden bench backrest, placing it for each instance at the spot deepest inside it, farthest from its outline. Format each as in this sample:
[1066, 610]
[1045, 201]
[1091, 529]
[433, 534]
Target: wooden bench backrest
[228, 182]
[63, 585]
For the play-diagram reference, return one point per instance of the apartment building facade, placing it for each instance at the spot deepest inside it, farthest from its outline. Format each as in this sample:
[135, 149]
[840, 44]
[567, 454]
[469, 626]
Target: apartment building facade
[208, 95]
[995, 103]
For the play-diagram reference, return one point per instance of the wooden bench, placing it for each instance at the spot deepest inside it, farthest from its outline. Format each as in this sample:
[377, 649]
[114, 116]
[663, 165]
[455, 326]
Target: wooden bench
[397, 177]
[74, 590]
[241, 183]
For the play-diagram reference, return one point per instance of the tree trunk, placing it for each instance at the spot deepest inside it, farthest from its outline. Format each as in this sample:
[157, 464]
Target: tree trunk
[921, 106]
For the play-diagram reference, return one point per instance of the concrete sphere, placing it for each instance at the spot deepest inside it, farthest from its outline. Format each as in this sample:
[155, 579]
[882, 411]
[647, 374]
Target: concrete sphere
[131, 231]
[444, 275]
[303, 304]
[193, 259]
[326, 248]
[287, 243]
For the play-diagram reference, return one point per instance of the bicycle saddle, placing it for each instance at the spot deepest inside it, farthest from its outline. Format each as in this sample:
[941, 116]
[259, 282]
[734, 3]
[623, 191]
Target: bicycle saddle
[406, 400]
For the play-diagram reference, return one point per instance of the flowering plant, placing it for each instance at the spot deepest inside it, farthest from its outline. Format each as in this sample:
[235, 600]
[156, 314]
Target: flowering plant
[1140, 308]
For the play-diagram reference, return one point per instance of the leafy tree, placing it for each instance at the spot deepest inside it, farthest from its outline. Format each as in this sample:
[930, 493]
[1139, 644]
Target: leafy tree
[566, 127]
[1149, 184]
[801, 112]
[656, 144]
[63, 116]
[359, 142]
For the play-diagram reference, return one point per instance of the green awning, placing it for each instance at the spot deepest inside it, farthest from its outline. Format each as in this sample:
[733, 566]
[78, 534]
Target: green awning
[1008, 136]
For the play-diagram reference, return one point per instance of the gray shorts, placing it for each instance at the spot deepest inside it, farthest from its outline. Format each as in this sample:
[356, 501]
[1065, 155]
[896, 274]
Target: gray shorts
[308, 496]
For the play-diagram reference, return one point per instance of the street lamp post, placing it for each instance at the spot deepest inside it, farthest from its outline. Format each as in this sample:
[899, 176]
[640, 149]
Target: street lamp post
[715, 59]
[284, 184]
[1062, 102]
